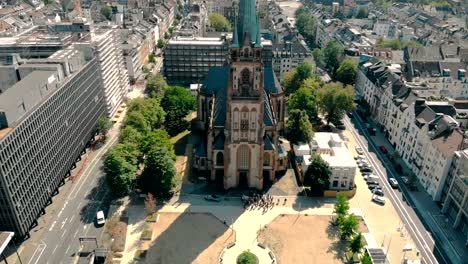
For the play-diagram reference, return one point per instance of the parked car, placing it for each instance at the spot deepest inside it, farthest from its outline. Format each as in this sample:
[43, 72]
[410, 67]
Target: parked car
[372, 131]
[340, 125]
[366, 169]
[372, 186]
[350, 114]
[378, 191]
[378, 199]
[383, 149]
[405, 180]
[360, 157]
[371, 177]
[369, 182]
[100, 219]
[359, 150]
[213, 197]
[365, 173]
[393, 182]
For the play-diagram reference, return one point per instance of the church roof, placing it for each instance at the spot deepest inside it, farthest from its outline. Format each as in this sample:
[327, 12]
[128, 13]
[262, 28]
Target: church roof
[219, 115]
[267, 114]
[219, 142]
[200, 151]
[268, 144]
[270, 82]
[217, 79]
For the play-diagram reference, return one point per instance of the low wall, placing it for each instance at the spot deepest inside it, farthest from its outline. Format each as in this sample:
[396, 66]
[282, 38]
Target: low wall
[333, 193]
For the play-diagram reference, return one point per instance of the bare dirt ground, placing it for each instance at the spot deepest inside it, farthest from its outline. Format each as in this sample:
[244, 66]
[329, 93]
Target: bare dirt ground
[304, 239]
[188, 238]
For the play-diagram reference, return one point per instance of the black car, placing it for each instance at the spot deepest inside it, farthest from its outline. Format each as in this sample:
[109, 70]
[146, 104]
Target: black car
[372, 131]
[350, 114]
[378, 192]
[372, 182]
[364, 173]
[372, 186]
[366, 169]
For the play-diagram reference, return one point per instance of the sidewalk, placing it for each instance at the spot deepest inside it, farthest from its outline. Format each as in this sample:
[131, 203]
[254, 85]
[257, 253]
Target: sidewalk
[449, 239]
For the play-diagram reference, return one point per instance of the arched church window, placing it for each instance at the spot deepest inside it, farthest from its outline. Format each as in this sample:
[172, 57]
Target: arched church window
[219, 159]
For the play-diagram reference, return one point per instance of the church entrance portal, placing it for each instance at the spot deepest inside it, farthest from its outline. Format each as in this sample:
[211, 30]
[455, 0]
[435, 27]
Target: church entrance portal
[243, 181]
[219, 180]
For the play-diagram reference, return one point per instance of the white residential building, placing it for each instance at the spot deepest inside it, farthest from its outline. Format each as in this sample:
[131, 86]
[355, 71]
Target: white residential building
[386, 29]
[333, 150]
[105, 44]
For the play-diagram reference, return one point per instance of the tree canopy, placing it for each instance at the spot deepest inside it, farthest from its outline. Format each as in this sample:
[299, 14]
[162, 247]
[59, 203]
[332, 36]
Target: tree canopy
[298, 127]
[104, 125]
[356, 244]
[318, 174]
[319, 58]
[363, 12]
[179, 100]
[333, 52]
[304, 99]
[106, 11]
[157, 138]
[161, 43]
[120, 166]
[159, 175]
[219, 23]
[293, 79]
[130, 135]
[306, 24]
[348, 226]
[347, 72]
[152, 112]
[156, 86]
[334, 101]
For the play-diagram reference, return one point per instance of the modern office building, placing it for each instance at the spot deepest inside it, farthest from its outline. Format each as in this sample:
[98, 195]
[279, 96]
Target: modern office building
[45, 124]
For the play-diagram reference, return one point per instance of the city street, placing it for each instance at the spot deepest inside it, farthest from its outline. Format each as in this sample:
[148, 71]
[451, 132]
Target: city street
[59, 241]
[411, 221]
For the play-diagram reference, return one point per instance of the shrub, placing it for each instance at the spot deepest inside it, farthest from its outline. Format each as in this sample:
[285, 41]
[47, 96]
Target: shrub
[247, 258]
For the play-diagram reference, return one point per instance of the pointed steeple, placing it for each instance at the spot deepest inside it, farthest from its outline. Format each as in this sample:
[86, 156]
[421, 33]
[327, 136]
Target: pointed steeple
[247, 19]
[235, 37]
[258, 40]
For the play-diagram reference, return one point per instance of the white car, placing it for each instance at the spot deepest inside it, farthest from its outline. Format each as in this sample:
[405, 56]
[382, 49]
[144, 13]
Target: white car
[378, 199]
[360, 157]
[100, 219]
[359, 150]
[393, 182]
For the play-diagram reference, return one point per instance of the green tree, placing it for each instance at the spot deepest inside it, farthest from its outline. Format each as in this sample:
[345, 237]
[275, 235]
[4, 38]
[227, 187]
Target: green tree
[363, 12]
[366, 259]
[348, 226]
[317, 175]
[356, 244]
[334, 101]
[150, 109]
[156, 86]
[47, 2]
[130, 135]
[293, 80]
[120, 166]
[347, 72]
[319, 58]
[298, 127]
[159, 175]
[333, 52]
[219, 22]
[161, 43]
[104, 125]
[106, 11]
[301, 10]
[247, 257]
[341, 207]
[166, 35]
[138, 121]
[306, 24]
[179, 100]
[304, 99]
[312, 83]
[157, 138]
[175, 123]
[262, 14]
[151, 58]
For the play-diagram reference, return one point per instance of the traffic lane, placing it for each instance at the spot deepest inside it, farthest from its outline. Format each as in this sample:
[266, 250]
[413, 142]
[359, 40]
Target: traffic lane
[410, 223]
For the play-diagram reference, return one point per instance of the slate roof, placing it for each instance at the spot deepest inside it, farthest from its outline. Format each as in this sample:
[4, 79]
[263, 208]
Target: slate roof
[200, 151]
[270, 82]
[219, 142]
[268, 145]
[267, 114]
[445, 108]
[219, 115]
[217, 78]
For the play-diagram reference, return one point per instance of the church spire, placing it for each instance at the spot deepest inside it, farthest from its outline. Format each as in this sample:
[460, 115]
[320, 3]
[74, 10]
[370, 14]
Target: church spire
[235, 37]
[258, 40]
[248, 22]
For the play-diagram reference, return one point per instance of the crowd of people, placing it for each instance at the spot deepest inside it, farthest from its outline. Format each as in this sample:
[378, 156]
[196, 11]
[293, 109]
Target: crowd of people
[258, 201]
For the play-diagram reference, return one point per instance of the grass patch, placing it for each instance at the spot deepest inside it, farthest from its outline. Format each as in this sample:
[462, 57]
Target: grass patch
[140, 255]
[179, 136]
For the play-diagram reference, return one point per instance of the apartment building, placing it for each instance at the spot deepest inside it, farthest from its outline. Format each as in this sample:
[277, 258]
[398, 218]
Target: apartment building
[288, 56]
[455, 192]
[425, 134]
[386, 29]
[45, 124]
[105, 45]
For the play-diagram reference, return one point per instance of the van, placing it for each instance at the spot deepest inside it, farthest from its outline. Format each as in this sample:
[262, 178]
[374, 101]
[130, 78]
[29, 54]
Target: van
[372, 177]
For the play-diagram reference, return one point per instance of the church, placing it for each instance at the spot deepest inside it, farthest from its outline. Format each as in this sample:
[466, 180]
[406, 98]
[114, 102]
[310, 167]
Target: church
[241, 108]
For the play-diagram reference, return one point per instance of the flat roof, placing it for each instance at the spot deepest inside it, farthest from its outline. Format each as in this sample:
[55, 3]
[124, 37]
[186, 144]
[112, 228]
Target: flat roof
[5, 238]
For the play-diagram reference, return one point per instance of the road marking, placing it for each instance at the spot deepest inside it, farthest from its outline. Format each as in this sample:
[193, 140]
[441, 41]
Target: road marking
[398, 204]
[43, 246]
[56, 246]
[52, 226]
[75, 233]
[64, 232]
[71, 219]
[63, 223]
[68, 248]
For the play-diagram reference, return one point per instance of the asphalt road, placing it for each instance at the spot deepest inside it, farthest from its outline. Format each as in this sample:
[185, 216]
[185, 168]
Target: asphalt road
[423, 240]
[60, 243]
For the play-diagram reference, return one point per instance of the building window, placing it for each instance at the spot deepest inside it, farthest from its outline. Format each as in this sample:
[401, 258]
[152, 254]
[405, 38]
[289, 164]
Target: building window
[219, 159]
[244, 157]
